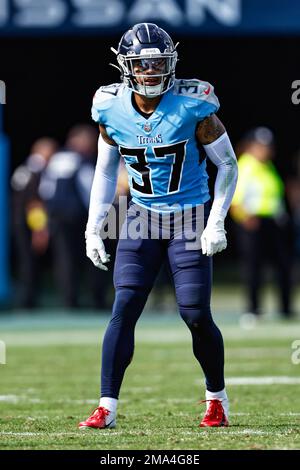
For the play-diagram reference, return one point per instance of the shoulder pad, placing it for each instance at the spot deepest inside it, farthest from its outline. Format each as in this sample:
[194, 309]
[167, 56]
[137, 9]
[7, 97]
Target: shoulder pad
[104, 98]
[198, 89]
[105, 93]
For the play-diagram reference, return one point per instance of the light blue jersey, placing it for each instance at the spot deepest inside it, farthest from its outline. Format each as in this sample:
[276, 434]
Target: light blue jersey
[161, 153]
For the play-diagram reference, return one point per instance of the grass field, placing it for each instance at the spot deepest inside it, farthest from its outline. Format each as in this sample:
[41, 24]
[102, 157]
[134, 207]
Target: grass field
[51, 379]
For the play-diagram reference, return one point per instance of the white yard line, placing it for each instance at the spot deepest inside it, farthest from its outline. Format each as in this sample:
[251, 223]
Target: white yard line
[51, 434]
[144, 334]
[131, 413]
[17, 399]
[230, 431]
[231, 381]
[226, 431]
[273, 380]
[9, 398]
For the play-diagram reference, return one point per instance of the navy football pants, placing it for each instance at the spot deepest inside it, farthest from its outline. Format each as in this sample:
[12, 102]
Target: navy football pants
[137, 264]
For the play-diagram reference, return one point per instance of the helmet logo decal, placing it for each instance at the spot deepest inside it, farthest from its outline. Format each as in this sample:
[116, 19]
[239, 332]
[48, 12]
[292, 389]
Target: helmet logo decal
[149, 51]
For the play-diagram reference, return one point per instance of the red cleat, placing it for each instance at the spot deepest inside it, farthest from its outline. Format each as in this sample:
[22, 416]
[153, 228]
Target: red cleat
[98, 420]
[215, 415]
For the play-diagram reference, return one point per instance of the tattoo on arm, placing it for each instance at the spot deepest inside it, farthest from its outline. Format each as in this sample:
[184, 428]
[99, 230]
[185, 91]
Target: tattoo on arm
[209, 130]
[105, 137]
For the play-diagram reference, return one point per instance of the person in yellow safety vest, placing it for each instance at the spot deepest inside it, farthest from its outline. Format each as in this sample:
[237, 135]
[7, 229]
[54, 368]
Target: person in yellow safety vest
[258, 208]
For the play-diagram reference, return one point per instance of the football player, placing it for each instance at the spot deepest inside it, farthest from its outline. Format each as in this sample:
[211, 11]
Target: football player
[158, 124]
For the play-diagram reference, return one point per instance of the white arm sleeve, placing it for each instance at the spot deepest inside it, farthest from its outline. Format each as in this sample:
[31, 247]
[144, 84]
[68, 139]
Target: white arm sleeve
[221, 153]
[104, 185]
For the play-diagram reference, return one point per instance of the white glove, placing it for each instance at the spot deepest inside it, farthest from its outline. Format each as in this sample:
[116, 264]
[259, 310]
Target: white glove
[95, 250]
[213, 238]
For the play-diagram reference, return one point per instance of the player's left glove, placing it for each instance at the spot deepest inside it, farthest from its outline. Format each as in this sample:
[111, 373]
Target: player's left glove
[213, 238]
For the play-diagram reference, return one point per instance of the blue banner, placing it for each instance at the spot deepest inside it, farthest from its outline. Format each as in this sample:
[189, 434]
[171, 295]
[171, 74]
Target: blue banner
[195, 17]
[4, 222]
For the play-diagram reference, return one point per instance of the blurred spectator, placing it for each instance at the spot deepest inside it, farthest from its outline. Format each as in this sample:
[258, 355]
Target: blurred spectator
[65, 188]
[259, 210]
[30, 221]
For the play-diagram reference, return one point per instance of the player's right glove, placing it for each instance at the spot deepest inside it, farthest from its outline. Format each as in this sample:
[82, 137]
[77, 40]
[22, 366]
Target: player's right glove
[95, 250]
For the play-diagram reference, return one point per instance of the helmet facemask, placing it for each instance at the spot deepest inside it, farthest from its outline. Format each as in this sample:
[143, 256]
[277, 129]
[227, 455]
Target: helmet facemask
[135, 66]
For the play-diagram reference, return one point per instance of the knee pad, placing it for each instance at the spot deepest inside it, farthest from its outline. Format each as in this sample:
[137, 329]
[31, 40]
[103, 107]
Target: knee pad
[192, 295]
[194, 306]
